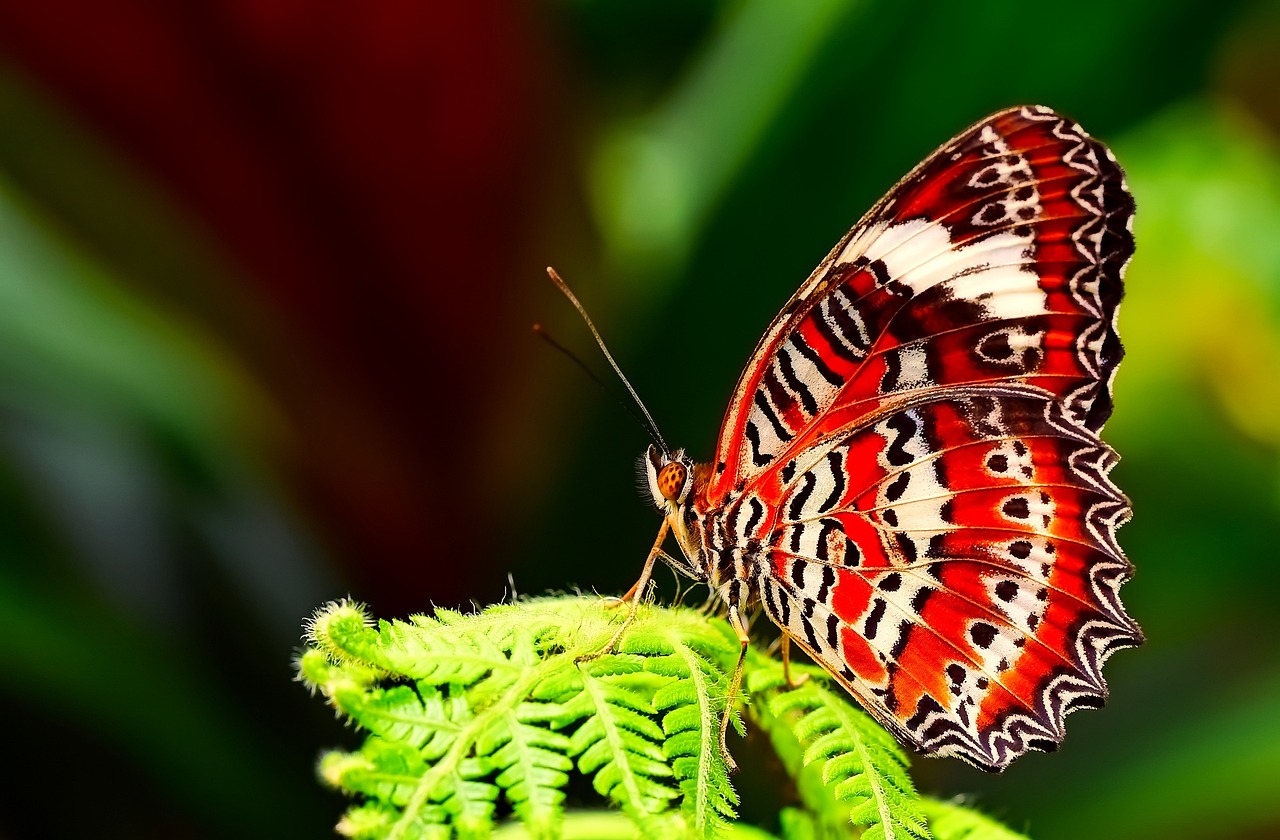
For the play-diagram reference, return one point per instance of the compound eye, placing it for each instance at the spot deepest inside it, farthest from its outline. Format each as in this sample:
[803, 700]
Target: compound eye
[671, 481]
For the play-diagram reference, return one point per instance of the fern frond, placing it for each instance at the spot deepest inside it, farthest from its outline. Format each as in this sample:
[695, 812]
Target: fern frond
[470, 716]
[862, 766]
[618, 743]
[691, 705]
[370, 820]
[385, 771]
[531, 765]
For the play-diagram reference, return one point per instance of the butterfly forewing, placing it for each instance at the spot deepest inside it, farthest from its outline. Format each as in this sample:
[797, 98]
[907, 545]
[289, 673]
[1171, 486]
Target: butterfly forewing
[997, 259]
[911, 458]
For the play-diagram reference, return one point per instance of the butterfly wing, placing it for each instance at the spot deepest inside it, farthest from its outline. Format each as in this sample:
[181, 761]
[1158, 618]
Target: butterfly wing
[954, 566]
[920, 424]
[998, 259]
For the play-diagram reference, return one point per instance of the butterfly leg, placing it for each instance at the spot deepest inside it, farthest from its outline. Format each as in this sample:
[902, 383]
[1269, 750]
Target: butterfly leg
[637, 588]
[636, 592]
[786, 664]
[739, 627]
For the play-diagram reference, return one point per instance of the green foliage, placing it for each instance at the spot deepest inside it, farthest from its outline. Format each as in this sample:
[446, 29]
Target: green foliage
[953, 821]
[471, 717]
[848, 768]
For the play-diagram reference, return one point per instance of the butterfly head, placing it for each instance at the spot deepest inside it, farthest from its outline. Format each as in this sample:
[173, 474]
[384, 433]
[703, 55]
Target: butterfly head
[669, 477]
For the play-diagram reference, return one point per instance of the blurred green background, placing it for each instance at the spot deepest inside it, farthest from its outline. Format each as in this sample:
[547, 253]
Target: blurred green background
[267, 272]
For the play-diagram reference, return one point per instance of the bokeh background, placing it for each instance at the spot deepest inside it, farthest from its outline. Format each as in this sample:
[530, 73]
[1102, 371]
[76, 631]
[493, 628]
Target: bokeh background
[267, 273]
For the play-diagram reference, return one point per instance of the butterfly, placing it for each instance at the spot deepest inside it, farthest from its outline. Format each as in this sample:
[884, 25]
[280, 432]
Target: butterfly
[909, 479]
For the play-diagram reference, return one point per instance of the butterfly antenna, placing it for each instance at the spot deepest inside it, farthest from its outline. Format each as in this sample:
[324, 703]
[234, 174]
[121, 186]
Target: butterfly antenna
[542, 333]
[648, 418]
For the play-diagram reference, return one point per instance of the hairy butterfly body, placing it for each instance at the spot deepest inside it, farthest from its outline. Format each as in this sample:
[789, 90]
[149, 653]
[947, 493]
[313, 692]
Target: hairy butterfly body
[909, 479]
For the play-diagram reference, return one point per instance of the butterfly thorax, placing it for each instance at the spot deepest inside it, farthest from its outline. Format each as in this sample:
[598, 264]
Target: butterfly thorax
[714, 552]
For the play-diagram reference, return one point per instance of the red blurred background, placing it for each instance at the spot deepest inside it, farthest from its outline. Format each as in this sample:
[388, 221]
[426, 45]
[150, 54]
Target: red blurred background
[366, 170]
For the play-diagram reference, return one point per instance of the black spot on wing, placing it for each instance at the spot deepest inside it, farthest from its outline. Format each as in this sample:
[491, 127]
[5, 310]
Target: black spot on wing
[828, 527]
[905, 628]
[839, 308]
[982, 633]
[779, 395]
[897, 487]
[806, 620]
[922, 596]
[828, 581]
[833, 630]
[752, 434]
[872, 625]
[798, 501]
[835, 463]
[815, 359]
[788, 471]
[892, 372]
[995, 346]
[907, 546]
[774, 596]
[757, 513]
[926, 707]
[762, 403]
[800, 389]
[824, 528]
[903, 427]
[1016, 508]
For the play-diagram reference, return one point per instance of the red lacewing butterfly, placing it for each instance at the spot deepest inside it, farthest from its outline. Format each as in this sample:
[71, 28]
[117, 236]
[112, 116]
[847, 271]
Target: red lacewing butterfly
[909, 479]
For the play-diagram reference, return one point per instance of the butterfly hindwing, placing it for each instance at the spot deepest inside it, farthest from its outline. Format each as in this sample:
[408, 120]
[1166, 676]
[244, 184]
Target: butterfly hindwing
[953, 565]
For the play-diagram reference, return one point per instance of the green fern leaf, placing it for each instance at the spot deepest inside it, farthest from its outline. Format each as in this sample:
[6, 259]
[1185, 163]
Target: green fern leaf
[955, 821]
[469, 716]
[862, 766]
[691, 705]
[469, 801]
[618, 744]
[531, 766]
[386, 771]
[368, 821]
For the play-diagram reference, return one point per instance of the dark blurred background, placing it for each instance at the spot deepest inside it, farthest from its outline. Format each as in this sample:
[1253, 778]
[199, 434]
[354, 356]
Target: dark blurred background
[267, 272]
